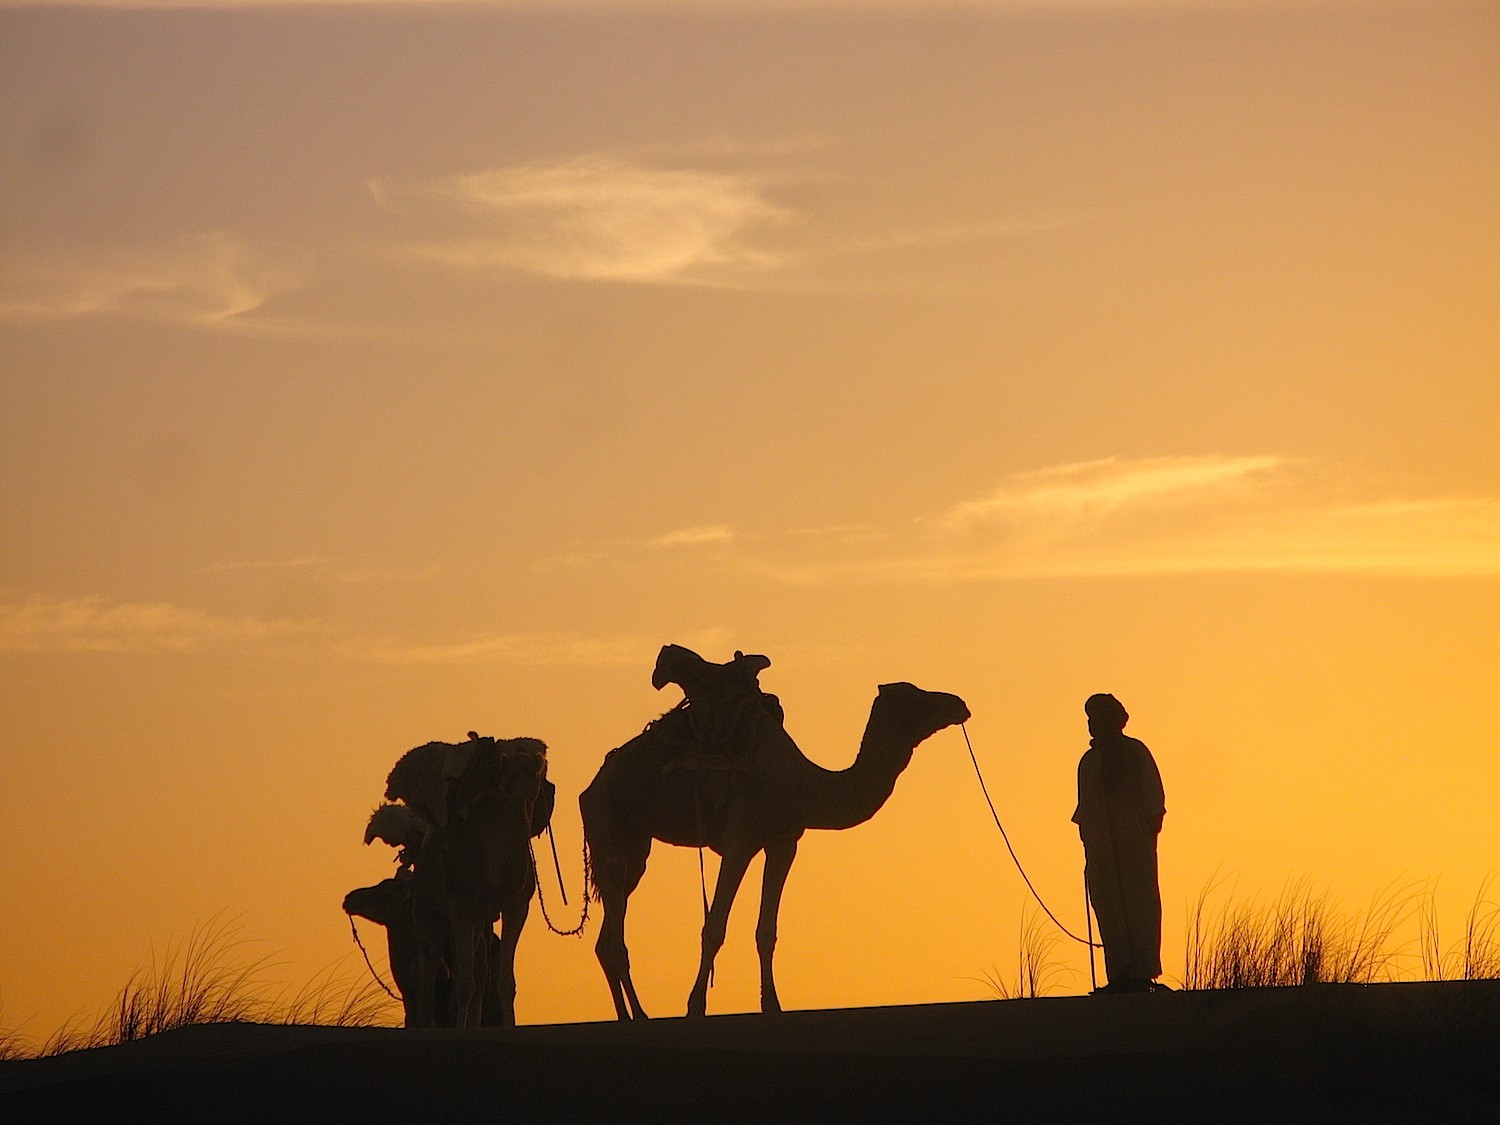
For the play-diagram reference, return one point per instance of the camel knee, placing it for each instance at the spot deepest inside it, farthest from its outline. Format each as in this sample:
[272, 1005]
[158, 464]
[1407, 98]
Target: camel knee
[713, 936]
[765, 939]
[613, 957]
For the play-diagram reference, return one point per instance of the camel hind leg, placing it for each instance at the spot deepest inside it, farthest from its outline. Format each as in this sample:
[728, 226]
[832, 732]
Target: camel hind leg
[471, 957]
[613, 954]
[616, 867]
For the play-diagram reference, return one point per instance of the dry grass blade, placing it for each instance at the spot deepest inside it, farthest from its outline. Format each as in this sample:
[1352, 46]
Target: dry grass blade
[1036, 965]
[339, 997]
[1301, 938]
[201, 981]
[1474, 956]
[208, 979]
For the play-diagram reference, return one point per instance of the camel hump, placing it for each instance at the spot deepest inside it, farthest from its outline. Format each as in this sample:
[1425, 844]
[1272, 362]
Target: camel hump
[418, 779]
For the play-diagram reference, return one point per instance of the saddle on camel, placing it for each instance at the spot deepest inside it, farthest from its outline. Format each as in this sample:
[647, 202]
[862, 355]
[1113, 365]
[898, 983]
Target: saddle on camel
[721, 703]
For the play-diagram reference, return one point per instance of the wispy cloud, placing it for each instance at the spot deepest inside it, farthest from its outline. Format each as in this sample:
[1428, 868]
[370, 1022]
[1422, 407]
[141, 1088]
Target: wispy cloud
[695, 536]
[531, 648]
[1121, 516]
[1095, 489]
[686, 5]
[956, 235]
[59, 626]
[597, 218]
[208, 277]
[95, 624]
[325, 568]
[304, 562]
[1178, 515]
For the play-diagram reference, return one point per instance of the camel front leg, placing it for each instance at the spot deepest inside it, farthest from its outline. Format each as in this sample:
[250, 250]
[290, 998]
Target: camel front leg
[512, 922]
[731, 872]
[470, 972]
[778, 863]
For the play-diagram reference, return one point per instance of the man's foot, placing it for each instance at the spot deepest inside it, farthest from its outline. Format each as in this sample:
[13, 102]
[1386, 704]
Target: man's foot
[1131, 984]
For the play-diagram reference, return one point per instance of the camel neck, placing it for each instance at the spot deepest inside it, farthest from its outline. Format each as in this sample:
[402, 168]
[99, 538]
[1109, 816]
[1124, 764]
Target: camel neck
[843, 798]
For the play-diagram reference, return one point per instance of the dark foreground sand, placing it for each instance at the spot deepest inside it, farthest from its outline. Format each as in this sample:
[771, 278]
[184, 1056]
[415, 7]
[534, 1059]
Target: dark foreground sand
[1390, 1052]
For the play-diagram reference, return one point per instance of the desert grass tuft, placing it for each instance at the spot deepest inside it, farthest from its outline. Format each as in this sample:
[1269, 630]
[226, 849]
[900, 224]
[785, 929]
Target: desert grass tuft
[339, 996]
[12, 1044]
[210, 979]
[1037, 968]
[1475, 955]
[204, 980]
[1300, 938]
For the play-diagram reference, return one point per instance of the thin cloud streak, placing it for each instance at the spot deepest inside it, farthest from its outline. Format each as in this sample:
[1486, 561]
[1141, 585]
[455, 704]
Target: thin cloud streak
[95, 624]
[1118, 517]
[548, 649]
[306, 562]
[206, 278]
[1178, 515]
[704, 6]
[695, 537]
[596, 218]
[695, 6]
[1443, 539]
[1093, 489]
[326, 568]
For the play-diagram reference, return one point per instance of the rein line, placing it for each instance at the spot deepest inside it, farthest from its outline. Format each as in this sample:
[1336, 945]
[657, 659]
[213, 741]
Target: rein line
[983, 788]
[355, 931]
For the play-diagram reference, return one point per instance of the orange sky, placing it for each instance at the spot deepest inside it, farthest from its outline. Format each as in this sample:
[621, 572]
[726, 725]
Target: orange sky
[373, 373]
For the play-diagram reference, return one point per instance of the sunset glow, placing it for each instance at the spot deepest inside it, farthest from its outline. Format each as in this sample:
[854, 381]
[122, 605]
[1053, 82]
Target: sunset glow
[373, 373]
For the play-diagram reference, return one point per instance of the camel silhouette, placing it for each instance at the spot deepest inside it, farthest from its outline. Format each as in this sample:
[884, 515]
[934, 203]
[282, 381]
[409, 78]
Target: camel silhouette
[467, 813]
[753, 792]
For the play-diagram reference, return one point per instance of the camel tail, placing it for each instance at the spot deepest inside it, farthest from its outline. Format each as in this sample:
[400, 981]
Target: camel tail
[590, 886]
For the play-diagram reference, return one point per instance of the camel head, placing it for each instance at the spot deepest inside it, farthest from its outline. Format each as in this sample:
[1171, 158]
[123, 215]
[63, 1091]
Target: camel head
[434, 779]
[386, 902]
[511, 768]
[912, 715]
[397, 826]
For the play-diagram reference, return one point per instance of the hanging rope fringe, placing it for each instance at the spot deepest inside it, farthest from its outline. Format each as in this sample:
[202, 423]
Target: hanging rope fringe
[983, 788]
[542, 898]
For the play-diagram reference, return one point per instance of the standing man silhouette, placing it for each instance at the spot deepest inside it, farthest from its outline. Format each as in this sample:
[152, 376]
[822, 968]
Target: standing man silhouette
[1120, 809]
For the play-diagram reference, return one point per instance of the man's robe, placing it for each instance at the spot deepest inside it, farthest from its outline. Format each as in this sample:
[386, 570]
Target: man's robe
[1120, 809]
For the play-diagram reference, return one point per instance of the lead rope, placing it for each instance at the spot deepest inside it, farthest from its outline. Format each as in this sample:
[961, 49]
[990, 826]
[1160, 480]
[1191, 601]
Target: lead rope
[702, 872]
[983, 788]
[355, 931]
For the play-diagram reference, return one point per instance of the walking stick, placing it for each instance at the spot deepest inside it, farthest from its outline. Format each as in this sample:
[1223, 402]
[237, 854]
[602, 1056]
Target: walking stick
[556, 865]
[1088, 917]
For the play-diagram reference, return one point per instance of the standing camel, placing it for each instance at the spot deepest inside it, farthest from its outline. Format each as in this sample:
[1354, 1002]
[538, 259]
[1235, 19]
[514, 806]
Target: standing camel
[761, 796]
[480, 801]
